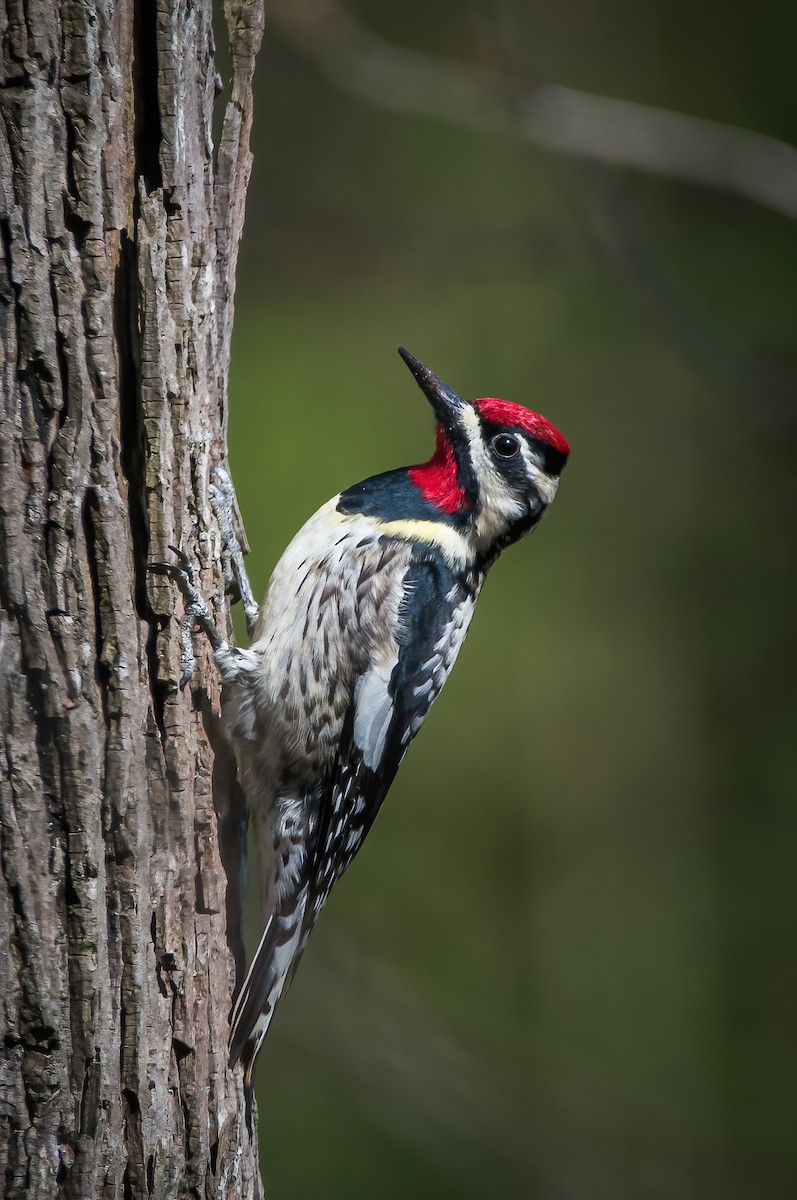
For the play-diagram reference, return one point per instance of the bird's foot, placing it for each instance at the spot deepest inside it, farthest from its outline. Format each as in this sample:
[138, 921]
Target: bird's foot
[225, 506]
[231, 661]
[196, 611]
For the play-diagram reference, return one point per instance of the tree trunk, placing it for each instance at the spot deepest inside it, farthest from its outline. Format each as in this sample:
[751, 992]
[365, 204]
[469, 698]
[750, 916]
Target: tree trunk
[119, 229]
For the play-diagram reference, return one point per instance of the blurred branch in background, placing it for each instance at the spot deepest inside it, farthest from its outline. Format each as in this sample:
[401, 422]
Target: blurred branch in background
[737, 368]
[617, 133]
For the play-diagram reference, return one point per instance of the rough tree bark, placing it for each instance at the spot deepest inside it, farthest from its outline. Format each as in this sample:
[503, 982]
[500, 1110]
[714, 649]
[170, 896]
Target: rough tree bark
[119, 228]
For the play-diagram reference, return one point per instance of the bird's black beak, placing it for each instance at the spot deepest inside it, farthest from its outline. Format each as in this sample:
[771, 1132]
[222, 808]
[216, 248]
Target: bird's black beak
[448, 406]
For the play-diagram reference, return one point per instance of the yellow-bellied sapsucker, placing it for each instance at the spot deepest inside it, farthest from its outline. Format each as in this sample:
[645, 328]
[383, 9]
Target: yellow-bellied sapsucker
[362, 621]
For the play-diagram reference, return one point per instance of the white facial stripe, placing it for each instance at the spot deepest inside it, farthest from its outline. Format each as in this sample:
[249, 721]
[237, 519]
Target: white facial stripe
[471, 422]
[545, 484]
[499, 505]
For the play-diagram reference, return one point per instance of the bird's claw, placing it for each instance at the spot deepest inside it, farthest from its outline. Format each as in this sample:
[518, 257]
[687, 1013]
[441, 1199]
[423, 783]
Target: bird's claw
[225, 506]
[196, 610]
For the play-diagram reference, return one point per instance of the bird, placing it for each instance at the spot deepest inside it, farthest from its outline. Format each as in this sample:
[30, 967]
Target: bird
[362, 621]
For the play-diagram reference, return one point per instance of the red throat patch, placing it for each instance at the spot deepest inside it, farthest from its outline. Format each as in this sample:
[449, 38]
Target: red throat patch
[438, 480]
[503, 412]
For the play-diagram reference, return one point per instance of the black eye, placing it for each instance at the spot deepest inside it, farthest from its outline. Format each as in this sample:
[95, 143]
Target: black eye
[505, 445]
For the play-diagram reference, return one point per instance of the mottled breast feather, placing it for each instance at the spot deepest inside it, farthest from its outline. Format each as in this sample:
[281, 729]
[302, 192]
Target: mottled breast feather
[331, 612]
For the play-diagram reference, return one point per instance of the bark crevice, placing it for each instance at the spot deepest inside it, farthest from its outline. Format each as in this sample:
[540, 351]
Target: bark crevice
[117, 260]
[146, 104]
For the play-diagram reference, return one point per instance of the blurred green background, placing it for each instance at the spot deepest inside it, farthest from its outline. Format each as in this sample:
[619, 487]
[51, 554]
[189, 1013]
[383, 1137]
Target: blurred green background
[565, 964]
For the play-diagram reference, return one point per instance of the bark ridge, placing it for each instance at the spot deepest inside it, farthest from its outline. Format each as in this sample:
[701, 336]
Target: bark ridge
[119, 231]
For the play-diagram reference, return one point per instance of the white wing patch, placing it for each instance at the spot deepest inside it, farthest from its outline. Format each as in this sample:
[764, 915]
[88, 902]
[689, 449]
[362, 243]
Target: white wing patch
[373, 711]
